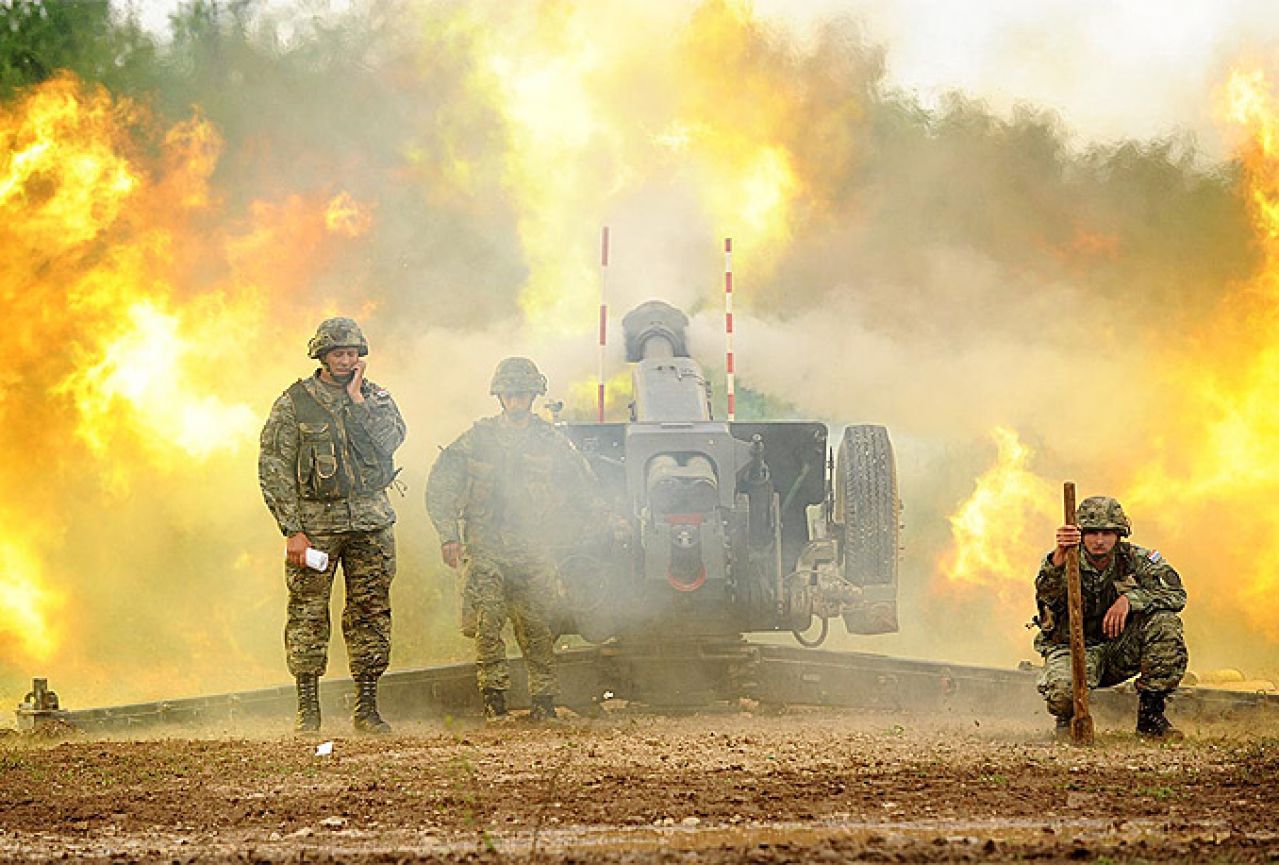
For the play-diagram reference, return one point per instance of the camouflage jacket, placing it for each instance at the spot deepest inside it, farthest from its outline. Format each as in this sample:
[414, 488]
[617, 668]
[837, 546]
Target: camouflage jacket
[1141, 575]
[356, 439]
[510, 490]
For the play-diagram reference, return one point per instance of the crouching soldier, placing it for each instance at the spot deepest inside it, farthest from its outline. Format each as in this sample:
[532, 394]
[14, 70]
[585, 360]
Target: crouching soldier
[1131, 598]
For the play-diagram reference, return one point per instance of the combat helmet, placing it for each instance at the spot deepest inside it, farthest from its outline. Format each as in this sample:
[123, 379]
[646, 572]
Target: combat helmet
[517, 375]
[1101, 513]
[340, 332]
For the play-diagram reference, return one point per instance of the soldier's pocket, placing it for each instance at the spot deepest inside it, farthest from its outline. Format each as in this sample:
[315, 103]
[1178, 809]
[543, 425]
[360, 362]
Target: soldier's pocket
[537, 475]
[481, 486]
[318, 462]
[306, 580]
[385, 541]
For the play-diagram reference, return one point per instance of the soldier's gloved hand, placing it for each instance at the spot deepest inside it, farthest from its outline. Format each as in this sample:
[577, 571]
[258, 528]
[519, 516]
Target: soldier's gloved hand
[451, 552]
[295, 549]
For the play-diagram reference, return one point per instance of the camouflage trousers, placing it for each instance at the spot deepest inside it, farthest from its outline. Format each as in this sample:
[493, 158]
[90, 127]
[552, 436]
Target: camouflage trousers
[521, 588]
[368, 566]
[1151, 647]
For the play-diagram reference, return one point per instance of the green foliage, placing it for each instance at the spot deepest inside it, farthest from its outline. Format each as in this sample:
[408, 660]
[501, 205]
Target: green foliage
[40, 37]
[750, 404]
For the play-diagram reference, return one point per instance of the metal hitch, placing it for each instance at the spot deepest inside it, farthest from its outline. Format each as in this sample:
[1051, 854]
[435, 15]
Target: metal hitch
[40, 708]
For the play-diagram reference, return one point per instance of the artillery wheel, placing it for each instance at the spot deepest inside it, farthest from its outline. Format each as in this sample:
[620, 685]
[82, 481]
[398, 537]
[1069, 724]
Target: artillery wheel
[869, 511]
[590, 605]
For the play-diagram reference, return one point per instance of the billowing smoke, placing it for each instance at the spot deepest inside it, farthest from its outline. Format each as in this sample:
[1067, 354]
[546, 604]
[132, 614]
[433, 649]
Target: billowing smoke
[177, 223]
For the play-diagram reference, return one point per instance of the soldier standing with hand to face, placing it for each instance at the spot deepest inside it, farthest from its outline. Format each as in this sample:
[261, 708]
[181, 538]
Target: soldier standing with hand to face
[1131, 598]
[325, 462]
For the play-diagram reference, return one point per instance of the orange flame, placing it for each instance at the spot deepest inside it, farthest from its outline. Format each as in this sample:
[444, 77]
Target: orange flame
[1253, 106]
[1205, 484]
[130, 296]
[1007, 513]
[28, 629]
[1085, 247]
[717, 115]
[146, 368]
[69, 186]
[345, 216]
[1217, 465]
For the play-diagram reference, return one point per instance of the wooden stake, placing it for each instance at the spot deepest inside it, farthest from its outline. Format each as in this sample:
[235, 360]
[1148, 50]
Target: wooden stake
[1081, 731]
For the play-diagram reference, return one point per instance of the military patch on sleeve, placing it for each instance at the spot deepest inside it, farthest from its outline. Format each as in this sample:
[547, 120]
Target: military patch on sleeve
[1170, 579]
[1155, 557]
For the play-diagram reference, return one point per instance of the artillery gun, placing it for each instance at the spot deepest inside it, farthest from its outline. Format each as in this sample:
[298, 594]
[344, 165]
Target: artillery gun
[737, 527]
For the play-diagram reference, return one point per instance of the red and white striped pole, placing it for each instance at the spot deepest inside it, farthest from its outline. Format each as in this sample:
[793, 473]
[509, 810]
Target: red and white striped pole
[728, 325]
[603, 318]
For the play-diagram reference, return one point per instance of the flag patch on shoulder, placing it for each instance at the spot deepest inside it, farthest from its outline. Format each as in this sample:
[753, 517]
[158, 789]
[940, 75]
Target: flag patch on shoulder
[1155, 557]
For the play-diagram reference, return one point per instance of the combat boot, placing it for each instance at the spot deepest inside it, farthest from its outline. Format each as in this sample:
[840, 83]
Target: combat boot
[1151, 723]
[308, 718]
[366, 719]
[1062, 731]
[543, 708]
[494, 703]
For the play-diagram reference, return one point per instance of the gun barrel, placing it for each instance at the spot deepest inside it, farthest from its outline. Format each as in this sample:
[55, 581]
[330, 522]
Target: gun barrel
[655, 330]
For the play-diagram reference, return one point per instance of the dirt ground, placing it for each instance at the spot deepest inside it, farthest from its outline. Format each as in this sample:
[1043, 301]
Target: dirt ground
[818, 785]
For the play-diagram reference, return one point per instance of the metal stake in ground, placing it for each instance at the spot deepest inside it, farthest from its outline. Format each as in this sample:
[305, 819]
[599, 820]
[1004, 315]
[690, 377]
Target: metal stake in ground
[729, 372]
[603, 320]
[1081, 732]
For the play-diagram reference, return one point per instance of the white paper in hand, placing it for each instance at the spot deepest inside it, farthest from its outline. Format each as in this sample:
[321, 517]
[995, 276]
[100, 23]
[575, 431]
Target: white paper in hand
[316, 560]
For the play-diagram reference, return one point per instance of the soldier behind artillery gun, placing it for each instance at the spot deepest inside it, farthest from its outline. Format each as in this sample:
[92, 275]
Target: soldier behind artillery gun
[495, 496]
[1131, 599]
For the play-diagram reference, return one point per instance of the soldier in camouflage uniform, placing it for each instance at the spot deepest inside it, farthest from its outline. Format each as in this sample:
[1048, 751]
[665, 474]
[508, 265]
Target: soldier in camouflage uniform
[500, 497]
[324, 466]
[1131, 599]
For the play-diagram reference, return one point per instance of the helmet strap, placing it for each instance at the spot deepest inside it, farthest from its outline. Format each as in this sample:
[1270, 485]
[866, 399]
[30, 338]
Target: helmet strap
[327, 371]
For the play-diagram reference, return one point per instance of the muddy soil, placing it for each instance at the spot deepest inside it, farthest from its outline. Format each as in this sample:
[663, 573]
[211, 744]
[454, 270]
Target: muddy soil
[819, 785]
